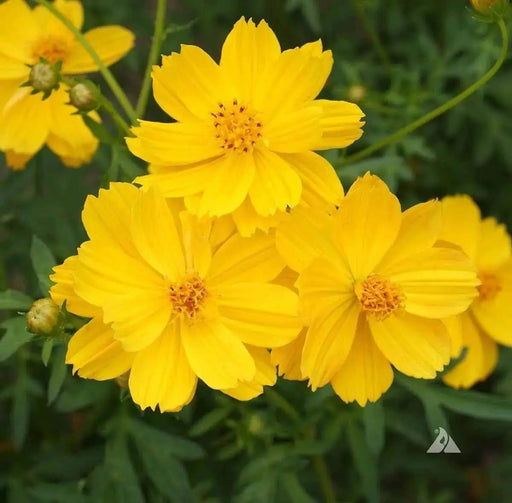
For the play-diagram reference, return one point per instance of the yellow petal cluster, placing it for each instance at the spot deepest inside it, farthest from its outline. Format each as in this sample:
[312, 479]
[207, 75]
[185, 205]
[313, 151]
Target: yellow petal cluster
[27, 122]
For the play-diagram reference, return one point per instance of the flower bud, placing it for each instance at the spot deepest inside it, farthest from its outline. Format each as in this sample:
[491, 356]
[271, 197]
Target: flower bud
[42, 316]
[44, 77]
[356, 93]
[84, 96]
[256, 425]
[491, 9]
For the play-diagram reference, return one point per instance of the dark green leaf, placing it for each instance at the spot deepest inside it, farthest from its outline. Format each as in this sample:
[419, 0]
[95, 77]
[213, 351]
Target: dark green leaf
[99, 131]
[12, 299]
[208, 421]
[15, 336]
[43, 261]
[374, 426]
[57, 374]
[46, 351]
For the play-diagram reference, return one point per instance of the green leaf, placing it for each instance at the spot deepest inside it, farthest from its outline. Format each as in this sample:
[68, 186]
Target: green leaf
[58, 492]
[12, 299]
[43, 261]
[46, 351]
[57, 374]
[292, 486]
[99, 131]
[15, 336]
[21, 409]
[374, 426]
[365, 463]
[209, 421]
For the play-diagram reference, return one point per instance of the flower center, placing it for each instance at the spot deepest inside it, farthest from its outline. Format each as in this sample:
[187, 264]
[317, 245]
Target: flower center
[490, 286]
[379, 297]
[188, 296]
[52, 48]
[236, 127]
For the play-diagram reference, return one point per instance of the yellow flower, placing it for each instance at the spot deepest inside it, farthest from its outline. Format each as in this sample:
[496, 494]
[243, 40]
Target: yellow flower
[489, 319]
[27, 122]
[173, 300]
[374, 286]
[245, 127]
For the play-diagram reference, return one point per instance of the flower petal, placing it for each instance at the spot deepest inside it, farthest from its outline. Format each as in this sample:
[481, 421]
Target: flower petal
[247, 52]
[111, 43]
[275, 186]
[328, 342]
[241, 259]
[95, 354]
[260, 314]
[174, 143]
[217, 355]
[248, 221]
[367, 224]
[288, 358]
[71, 9]
[494, 247]
[161, 374]
[11, 68]
[366, 373]
[416, 346]
[340, 124]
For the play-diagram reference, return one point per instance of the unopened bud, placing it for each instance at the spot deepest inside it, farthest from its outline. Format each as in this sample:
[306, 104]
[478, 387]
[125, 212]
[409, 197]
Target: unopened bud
[84, 96]
[256, 425]
[42, 316]
[356, 93]
[44, 77]
[491, 9]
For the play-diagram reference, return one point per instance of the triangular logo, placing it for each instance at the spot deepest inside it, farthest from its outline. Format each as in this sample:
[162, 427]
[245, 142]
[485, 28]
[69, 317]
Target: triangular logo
[443, 443]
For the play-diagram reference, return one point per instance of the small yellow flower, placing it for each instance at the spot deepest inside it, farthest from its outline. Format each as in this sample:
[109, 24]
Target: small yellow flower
[489, 319]
[374, 286]
[27, 122]
[172, 300]
[246, 127]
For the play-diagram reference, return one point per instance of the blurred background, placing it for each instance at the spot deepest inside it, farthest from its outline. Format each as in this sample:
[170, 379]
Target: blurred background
[73, 441]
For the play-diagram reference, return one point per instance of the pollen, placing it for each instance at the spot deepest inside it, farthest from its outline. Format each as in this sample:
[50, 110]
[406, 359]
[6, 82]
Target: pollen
[52, 48]
[379, 297]
[188, 297]
[490, 286]
[237, 127]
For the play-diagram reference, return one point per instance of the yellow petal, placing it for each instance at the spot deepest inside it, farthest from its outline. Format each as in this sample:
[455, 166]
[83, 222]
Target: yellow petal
[17, 27]
[188, 84]
[288, 358]
[72, 9]
[174, 144]
[196, 245]
[155, 235]
[245, 259]
[11, 68]
[416, 346]
[296, 130]
[95, 354]
[265, 376]
[217, 355]
[454, 326]
[260, 314]
[64, 290]
[304, 235]
[228, 185]
[321, 187]
[247, 52]
[437, 283]
[461, 223]
[18, 134]
[366, 373]
[367, 224]
[111, 43]
[479, 360]
[340, 124]
[248, 221]
[161, 374]
[15, 161]
[494, 247]
[328, 342]
[495, 315]
[420, 229]
[275, 186]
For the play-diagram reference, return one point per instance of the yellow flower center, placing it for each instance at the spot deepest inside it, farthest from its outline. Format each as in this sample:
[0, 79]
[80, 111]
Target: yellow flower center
[188, 296]
[52, 48]
[236, 127]
[379, 297]
[490, 286]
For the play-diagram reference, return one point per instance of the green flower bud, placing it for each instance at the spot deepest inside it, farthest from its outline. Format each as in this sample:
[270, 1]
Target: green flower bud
[42, 316]
[44, 77]
[84, 96]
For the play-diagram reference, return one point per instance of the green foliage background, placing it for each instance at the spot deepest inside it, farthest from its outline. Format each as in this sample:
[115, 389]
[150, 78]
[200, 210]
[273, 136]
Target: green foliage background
[68, 440]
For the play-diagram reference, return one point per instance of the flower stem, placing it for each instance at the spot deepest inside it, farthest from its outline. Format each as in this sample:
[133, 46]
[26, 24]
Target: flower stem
[105, 72]
[439, 110]
[122, 125]
[156, 44]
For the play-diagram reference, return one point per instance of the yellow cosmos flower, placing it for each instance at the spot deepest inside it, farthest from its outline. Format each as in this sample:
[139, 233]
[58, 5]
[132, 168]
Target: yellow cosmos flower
[374, 286]
[245, 127]
[173, 300]
[27, 122]
[489, 319]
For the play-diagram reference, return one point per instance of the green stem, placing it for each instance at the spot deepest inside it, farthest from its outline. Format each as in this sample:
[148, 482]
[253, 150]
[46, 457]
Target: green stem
[105, 72]
[372, 33]
[156, 44]
[439, 110]
[122, 125]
